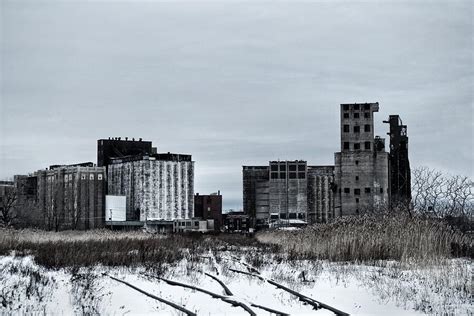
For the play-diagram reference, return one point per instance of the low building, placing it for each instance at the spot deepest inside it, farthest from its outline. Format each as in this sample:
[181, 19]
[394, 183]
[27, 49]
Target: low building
[209, 207]
[237, 222]
[193, 225]
[157, 187]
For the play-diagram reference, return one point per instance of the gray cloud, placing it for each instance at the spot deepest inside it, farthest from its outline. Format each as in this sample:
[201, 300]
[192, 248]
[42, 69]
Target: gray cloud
[231, 83]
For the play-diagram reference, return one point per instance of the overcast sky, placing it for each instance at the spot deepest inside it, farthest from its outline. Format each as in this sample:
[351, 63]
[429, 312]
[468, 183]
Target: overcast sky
[232, 83]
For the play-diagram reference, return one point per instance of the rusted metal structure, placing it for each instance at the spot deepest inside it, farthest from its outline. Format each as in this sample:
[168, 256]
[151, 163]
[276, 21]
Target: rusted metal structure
[399, 164]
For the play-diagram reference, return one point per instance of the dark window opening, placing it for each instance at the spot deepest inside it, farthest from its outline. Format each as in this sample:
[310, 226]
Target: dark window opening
[381, 190]
[346, 115]
[292, 215]
[366, 107]
[367, 114]
[356, 146]
[357, 200]
[357, 191]
[346, 128]
[346, 107]
[283, 215]
[274, 167]
[292, 167]
[357, 162]
[347, 190]
[356, 106]
[346, 145]
[301, 175]
[367, 190]
[292, 175]
[274, 175]
[356, 115]
[301, 168]
[282, 167]
[357, 178]
[367, 145]
[356, 129]
[367, 128]
[282, 175]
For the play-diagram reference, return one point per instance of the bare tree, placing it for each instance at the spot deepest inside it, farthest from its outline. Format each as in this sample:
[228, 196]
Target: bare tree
[8, 202]
[441, 195]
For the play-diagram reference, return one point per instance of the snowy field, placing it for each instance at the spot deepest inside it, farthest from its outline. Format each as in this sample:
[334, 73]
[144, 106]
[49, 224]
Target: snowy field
[385, 288]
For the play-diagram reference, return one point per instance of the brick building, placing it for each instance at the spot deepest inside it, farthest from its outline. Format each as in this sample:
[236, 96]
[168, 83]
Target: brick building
[71, 196]
[116, 147]
[209, 207]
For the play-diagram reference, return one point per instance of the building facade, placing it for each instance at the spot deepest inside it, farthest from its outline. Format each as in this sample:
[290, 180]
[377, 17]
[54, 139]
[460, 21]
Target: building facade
[361, 167]
[71, 197]
[320, 194]
[287, 190]
[157, 187]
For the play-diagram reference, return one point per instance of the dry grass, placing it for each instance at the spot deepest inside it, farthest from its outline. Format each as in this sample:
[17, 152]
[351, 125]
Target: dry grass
[84, 249]
[373, 237]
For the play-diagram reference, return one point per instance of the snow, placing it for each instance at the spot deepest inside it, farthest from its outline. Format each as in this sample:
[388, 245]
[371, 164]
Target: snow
[356, 289]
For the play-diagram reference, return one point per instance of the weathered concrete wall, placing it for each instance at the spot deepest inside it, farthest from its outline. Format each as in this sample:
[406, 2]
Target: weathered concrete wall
[72, 197]
[155, 189]
[320, 194]
[361, 170]
[288, 189]
[256, 191]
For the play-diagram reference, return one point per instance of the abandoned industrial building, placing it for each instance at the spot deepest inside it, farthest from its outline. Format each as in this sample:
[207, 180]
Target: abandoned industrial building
[288, 190]
[132, 185]
[156, 186]
[364, 176]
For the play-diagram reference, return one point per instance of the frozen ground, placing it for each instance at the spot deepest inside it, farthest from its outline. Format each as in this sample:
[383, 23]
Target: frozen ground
[382, 289]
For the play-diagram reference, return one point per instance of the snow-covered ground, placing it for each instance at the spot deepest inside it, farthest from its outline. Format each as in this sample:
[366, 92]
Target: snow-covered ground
[385, 289]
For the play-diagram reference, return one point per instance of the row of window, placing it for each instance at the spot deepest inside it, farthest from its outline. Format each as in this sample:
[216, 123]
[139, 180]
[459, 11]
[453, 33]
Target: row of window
[356, 146]
[291, 167]
[68, 177]
[291, 175]
[346, 128]
[291, 216]
[357, 191]
[356, 115]
[357, 107]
